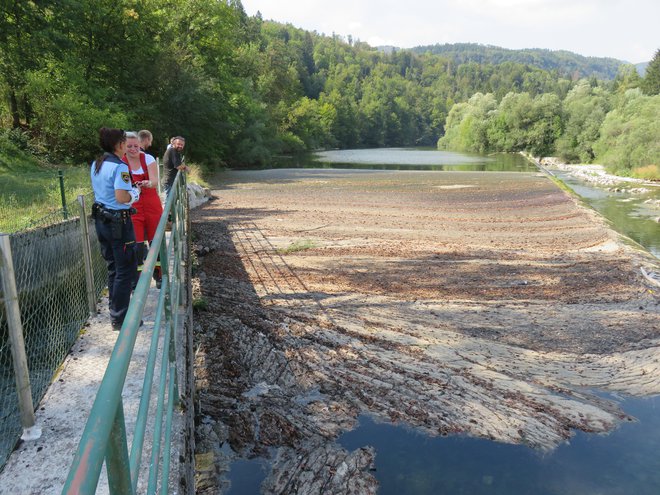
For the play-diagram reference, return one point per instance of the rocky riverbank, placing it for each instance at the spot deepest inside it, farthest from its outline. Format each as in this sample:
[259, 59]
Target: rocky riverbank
[596, 174]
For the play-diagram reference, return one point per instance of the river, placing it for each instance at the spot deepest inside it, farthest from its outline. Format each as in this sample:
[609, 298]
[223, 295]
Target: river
[632, 209]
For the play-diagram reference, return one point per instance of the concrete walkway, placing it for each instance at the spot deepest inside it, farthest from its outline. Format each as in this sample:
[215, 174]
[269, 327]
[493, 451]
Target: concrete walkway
[41, 467]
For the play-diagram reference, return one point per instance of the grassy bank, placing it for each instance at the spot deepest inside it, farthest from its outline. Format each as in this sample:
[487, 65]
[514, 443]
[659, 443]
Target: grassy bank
[30, 187]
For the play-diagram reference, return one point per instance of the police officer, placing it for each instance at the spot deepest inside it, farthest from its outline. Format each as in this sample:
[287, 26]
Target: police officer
[114, 194]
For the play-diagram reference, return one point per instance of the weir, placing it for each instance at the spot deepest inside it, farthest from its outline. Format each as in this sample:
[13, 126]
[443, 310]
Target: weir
[483, 305]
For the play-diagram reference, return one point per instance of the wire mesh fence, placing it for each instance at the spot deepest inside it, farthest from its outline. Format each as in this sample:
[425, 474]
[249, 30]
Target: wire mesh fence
[53, 296]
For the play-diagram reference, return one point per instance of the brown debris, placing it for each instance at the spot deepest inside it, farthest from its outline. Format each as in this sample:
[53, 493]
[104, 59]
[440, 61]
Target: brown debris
[490, 309]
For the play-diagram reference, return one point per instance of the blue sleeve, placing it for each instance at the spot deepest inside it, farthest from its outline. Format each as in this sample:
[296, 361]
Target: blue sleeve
[122, 178]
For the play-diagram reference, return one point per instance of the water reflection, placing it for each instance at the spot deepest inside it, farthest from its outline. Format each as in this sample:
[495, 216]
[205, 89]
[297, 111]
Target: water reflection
[408, 159]
[624, 462]
[246, 476]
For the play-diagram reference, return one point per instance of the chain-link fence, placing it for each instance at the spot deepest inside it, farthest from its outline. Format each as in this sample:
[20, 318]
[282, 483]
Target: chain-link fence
[54, 291]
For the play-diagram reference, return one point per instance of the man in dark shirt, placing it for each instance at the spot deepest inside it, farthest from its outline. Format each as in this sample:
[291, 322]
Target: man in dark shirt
[173, 161]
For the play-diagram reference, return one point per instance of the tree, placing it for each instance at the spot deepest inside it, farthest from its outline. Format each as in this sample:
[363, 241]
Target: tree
[584, 110]
[25, 36]
[651, 82]
[630, 134]
[312, 122]
[627, 78]
[467, 124]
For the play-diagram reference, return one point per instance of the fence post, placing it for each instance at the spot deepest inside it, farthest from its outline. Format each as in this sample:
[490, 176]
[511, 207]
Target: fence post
[65, 212]
[19, 357]
[160, 177]
[87, 257]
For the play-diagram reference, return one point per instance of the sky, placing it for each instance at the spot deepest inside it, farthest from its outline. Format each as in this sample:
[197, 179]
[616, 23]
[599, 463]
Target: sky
[623, 29]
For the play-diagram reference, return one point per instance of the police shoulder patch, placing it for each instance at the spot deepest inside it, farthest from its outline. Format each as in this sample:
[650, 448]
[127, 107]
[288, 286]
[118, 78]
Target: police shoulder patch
[126, 177]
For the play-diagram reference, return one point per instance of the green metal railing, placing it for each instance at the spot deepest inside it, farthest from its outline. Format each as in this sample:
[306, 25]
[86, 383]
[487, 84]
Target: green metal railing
[105, 435]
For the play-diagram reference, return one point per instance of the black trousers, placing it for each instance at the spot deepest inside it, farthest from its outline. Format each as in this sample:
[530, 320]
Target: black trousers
[121, 259]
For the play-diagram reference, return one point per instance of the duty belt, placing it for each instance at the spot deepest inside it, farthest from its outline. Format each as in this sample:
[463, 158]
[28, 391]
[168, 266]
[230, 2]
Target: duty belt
[100, 211]
[116, 218]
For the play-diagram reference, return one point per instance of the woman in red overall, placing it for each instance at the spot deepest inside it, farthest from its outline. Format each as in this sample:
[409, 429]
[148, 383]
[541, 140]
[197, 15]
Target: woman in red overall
[149, 208]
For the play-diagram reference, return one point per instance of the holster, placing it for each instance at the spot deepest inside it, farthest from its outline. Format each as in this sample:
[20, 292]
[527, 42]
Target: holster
[116, 218]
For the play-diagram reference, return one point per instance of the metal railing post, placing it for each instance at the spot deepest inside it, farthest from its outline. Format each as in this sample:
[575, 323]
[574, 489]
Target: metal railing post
[87, 257]
[19, 357]
[160, 177]
[116, 461]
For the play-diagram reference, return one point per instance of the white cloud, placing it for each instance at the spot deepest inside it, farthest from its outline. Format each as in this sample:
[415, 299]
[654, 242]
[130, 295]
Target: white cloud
[525, 12]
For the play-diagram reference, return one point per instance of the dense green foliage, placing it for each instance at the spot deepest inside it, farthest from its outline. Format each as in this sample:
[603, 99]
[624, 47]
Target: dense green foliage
[567, 64]
[629, 136]
[241, 89]
[519, 122]
[651, 84]
[620, 130]
[585, 108]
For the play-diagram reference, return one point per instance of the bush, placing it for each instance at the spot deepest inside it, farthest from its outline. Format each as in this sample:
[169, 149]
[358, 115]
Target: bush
[648, 172]
[200, 304]
[291, 143]
[15, 152]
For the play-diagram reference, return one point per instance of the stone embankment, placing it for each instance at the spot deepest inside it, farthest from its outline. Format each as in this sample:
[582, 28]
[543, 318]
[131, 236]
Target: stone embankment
[596, 174]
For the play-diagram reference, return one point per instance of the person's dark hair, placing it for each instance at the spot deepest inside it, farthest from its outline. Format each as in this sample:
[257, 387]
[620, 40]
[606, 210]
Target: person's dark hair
[109, 138]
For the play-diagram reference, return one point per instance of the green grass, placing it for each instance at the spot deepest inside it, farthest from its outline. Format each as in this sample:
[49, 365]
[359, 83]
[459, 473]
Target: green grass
[200, 304]
[298, 246]
[649, 172]
[30, 189]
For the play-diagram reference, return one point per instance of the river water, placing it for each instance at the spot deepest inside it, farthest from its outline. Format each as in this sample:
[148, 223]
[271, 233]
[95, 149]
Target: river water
[626, 461]
[634, 214]
[409, 159]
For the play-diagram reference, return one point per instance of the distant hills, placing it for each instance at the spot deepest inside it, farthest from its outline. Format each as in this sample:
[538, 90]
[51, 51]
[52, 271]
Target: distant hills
[566, 63]
[641, 68]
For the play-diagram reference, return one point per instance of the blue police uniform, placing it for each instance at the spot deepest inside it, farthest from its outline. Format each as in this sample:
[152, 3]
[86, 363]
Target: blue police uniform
[115, 233]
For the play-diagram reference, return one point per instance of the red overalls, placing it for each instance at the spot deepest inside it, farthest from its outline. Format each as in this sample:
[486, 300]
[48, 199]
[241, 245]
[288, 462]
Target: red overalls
[149, 211]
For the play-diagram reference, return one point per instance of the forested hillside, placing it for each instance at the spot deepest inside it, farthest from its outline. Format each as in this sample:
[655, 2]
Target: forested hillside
[243, 90]
[567, 64]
